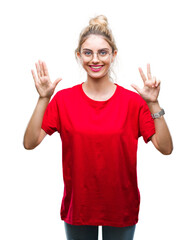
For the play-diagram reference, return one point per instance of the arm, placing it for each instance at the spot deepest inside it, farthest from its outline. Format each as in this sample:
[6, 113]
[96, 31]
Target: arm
[161, 139]
[34, 134]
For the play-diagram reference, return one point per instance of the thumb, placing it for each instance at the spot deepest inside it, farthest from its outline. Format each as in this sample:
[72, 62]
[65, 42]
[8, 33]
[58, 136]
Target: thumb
[57, 81]
[136, 88]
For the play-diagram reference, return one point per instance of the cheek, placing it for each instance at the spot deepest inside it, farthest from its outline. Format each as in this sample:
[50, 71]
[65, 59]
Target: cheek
[83, 65]
[81, 62]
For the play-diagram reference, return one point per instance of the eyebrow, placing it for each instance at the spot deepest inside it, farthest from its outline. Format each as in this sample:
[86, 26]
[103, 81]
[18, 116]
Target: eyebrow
[98, 49]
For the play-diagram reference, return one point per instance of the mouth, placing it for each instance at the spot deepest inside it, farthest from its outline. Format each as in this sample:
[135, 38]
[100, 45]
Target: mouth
[96, 68]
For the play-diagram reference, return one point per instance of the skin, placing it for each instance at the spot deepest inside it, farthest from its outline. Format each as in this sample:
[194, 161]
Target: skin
[34, 134]
[162, 138]
[98, 87]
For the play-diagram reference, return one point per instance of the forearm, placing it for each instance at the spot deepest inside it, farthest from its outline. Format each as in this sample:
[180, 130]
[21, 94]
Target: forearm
[33, 129]
[162, 136]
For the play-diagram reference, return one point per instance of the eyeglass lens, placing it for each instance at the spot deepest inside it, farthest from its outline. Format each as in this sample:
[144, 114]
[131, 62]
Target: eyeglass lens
[101, 54]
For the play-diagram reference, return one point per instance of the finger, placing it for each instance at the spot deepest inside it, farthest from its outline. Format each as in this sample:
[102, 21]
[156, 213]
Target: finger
[136, 88]
[148, 71]
[41, 68]
[57, 81]
[34, 76]
[142, 75]
[38, 70]
[153, 82]
[45, 69]
[150, 83]
[158, 82]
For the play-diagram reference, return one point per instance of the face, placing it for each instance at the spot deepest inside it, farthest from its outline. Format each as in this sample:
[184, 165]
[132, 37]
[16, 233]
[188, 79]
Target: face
[95, 67]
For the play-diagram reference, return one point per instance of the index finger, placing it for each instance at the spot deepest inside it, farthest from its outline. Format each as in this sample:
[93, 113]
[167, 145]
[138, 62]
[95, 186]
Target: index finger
[45, 69]
[142, 75]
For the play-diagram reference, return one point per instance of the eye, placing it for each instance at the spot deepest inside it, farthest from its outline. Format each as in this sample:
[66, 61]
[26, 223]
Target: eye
[87, 53]
[103, 52]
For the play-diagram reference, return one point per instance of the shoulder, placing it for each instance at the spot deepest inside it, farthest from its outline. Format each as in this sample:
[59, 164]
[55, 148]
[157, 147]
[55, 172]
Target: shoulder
[66, 92]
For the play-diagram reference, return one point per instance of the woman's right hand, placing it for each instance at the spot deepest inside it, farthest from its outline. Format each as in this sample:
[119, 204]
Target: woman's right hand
[43, 84]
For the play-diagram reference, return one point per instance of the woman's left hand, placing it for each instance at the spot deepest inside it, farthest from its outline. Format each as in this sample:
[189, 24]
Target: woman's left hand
[151, 88]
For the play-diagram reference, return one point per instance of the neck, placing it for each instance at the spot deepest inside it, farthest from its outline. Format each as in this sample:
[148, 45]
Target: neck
[98, 85]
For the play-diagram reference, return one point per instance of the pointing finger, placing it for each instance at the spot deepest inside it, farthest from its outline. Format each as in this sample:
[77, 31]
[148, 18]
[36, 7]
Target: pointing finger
[142, 75]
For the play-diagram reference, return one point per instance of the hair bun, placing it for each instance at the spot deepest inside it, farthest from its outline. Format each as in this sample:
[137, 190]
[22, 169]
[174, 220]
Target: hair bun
[99, 20]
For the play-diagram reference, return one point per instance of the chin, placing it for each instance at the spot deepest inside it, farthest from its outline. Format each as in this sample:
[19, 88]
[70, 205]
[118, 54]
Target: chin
[97, 75]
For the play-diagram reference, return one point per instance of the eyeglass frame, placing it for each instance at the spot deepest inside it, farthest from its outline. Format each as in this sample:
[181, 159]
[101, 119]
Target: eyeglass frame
[95, 53]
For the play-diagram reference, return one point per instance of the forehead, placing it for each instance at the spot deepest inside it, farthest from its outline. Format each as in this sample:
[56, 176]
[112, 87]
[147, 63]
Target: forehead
[95, 42]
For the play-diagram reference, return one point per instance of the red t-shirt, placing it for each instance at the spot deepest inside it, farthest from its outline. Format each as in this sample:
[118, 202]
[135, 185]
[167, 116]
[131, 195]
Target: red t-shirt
[99, 144]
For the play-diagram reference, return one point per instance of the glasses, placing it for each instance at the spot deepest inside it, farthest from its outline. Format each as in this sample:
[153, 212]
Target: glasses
[102, 54]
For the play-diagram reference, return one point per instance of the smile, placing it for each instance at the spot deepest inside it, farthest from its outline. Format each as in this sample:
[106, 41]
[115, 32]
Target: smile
[96, 68]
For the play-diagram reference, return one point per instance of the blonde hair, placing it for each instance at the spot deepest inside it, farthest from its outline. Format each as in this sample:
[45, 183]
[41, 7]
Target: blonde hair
[97, 26]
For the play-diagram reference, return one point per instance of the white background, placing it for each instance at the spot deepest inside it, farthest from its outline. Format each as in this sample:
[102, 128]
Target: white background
[161, 33]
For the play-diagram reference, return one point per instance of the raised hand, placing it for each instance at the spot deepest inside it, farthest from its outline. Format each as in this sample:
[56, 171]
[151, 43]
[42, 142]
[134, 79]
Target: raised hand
[43, 84]
[151, 88]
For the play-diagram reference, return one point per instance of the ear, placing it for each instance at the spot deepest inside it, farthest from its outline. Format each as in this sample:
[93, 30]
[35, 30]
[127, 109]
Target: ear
[114, 55]
[79, 57]
[78, 54]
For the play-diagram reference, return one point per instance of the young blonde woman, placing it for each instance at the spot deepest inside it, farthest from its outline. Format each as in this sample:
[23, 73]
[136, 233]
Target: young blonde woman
[99, 123]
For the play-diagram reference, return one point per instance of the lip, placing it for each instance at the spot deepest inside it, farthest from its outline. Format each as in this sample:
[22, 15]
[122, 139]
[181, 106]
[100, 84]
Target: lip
[96, 70]
[95, 65]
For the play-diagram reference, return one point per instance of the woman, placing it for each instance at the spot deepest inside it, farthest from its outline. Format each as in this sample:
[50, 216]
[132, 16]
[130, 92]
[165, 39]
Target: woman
[99, 123]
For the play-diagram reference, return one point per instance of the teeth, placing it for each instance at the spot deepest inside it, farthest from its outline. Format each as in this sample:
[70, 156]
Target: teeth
[96, 67]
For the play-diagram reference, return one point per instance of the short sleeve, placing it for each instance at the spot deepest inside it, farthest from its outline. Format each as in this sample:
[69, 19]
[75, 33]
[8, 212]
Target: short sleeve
[146, 122]
[50, 123]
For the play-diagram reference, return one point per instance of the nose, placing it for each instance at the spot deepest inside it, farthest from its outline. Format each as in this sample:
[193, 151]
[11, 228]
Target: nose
[95, 58]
